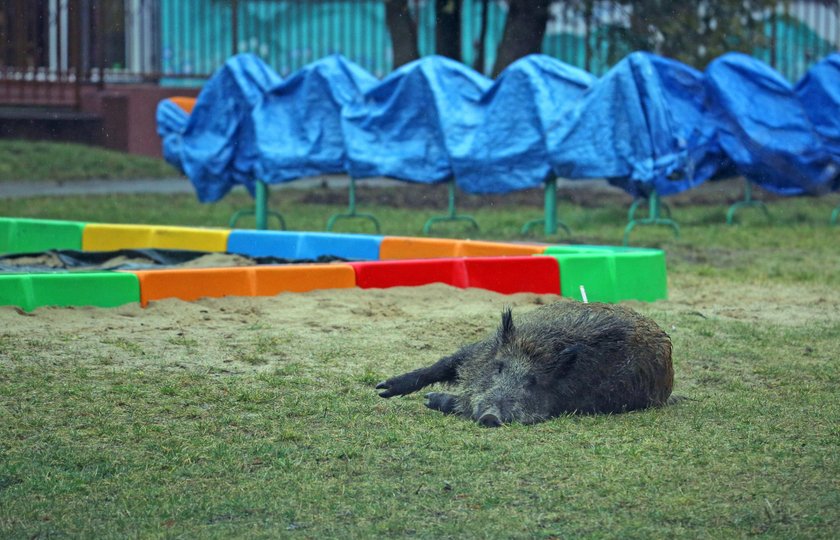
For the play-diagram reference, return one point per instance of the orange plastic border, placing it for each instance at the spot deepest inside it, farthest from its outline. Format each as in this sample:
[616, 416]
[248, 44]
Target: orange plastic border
[401, 248]
[192, 284]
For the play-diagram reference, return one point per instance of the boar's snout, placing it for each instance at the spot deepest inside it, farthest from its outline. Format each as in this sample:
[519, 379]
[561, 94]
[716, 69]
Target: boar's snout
[489, 420]
[491, 417]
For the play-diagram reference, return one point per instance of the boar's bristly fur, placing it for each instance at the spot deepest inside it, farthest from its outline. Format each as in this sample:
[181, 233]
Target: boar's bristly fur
[565, 357]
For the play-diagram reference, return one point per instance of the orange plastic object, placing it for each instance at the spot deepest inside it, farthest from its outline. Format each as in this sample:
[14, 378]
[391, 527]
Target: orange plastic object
[398, 247]
[474, 248]
[106, 237]
[186, 103]
[192, 284]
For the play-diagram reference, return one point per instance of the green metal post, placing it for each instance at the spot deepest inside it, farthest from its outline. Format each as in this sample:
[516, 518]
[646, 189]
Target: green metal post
[631, 213]
[834, 215]
[747, 202]
[452, 215]
[260, 212]
[654, 209]
[351, 210]
[261, 205]
[550, 207]
[549, 220]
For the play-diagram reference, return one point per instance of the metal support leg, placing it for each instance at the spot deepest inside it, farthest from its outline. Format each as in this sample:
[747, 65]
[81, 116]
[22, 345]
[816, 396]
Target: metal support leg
[351, 210]
[452, 215]
[746, 203]
[260, 212]
[549, 220]
[631, 213]
[654, 207]
[261, 206]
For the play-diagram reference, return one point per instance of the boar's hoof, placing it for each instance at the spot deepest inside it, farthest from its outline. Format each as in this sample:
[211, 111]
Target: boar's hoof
[438, 401]
[387, 389]
[489, 420]
[396, 386]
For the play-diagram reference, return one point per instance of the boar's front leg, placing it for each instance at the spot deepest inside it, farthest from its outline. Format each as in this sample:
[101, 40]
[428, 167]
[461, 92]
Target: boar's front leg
[444, 370]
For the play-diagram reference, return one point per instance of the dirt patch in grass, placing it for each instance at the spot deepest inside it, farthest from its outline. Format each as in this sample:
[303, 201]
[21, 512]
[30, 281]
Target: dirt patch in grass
[765, 303]
[584, 193]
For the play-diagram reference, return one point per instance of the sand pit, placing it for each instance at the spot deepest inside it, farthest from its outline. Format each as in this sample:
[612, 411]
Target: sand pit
[368, 331]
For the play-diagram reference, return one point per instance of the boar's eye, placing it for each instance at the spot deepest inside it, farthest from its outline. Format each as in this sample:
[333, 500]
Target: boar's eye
[500, 367]
[532, 380]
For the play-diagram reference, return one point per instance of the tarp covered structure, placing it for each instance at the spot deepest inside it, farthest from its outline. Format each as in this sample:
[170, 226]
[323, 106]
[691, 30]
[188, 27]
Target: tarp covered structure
[765, 129]
[217, 146]
[819, 93]
[507, 149]
[640, 126]
[171, 122]
[409, 125]
[650, 123]
[298, 122]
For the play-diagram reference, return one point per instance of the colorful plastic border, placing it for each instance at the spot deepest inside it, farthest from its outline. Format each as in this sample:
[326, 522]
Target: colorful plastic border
[608, 274]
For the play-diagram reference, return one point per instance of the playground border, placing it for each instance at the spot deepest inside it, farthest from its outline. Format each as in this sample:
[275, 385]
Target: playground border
[605, 273]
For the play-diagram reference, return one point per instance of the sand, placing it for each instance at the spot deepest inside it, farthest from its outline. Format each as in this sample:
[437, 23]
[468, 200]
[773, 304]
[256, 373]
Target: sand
[365, 331]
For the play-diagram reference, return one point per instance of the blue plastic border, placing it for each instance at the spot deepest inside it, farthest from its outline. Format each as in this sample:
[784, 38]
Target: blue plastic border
[304, 245]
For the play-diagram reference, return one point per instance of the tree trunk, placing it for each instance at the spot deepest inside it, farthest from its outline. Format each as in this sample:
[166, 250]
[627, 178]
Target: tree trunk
[448, 28]
[480, 58]
[403, 30]
[524, 31]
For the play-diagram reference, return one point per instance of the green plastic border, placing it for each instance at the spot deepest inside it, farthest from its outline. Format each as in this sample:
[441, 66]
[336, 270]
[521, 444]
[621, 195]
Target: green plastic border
[20, 235]
[100, 289]
[611, 273]
[594, 271]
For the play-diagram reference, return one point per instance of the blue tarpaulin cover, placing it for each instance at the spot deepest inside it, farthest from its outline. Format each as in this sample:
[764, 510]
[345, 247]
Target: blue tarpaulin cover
[217, 146]
[507, 149]
[764, 128]
[649, 123]
[171, 122]
[819, 93]
[408, 125]
[639, 126]
[298, 122]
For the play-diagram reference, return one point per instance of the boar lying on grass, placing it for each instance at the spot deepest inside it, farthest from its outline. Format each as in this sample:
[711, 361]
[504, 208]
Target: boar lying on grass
[565, 357]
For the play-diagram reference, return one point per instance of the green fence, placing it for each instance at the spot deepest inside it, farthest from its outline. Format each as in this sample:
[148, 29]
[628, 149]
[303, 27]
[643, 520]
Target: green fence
[196, 37]
[54, 47]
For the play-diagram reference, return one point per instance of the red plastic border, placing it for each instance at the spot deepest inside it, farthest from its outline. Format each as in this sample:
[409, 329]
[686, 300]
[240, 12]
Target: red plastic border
[506, 275]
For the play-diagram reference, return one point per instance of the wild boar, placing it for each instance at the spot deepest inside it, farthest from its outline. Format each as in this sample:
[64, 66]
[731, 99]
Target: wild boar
[565, 357]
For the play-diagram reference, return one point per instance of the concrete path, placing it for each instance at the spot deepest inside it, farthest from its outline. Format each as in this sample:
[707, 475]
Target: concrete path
[22, 190]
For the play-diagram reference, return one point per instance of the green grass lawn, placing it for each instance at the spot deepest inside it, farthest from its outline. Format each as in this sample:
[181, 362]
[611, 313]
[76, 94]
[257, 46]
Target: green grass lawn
[109, 437]
[89, 450]
[37, 160]
[155, 437]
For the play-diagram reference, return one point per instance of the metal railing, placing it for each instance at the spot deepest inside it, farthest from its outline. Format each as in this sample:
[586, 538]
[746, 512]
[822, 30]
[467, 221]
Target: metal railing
[49, 49]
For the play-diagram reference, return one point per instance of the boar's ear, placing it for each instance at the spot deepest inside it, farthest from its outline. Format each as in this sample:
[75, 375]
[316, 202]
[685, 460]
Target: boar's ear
[566, 360]
[507, 329]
